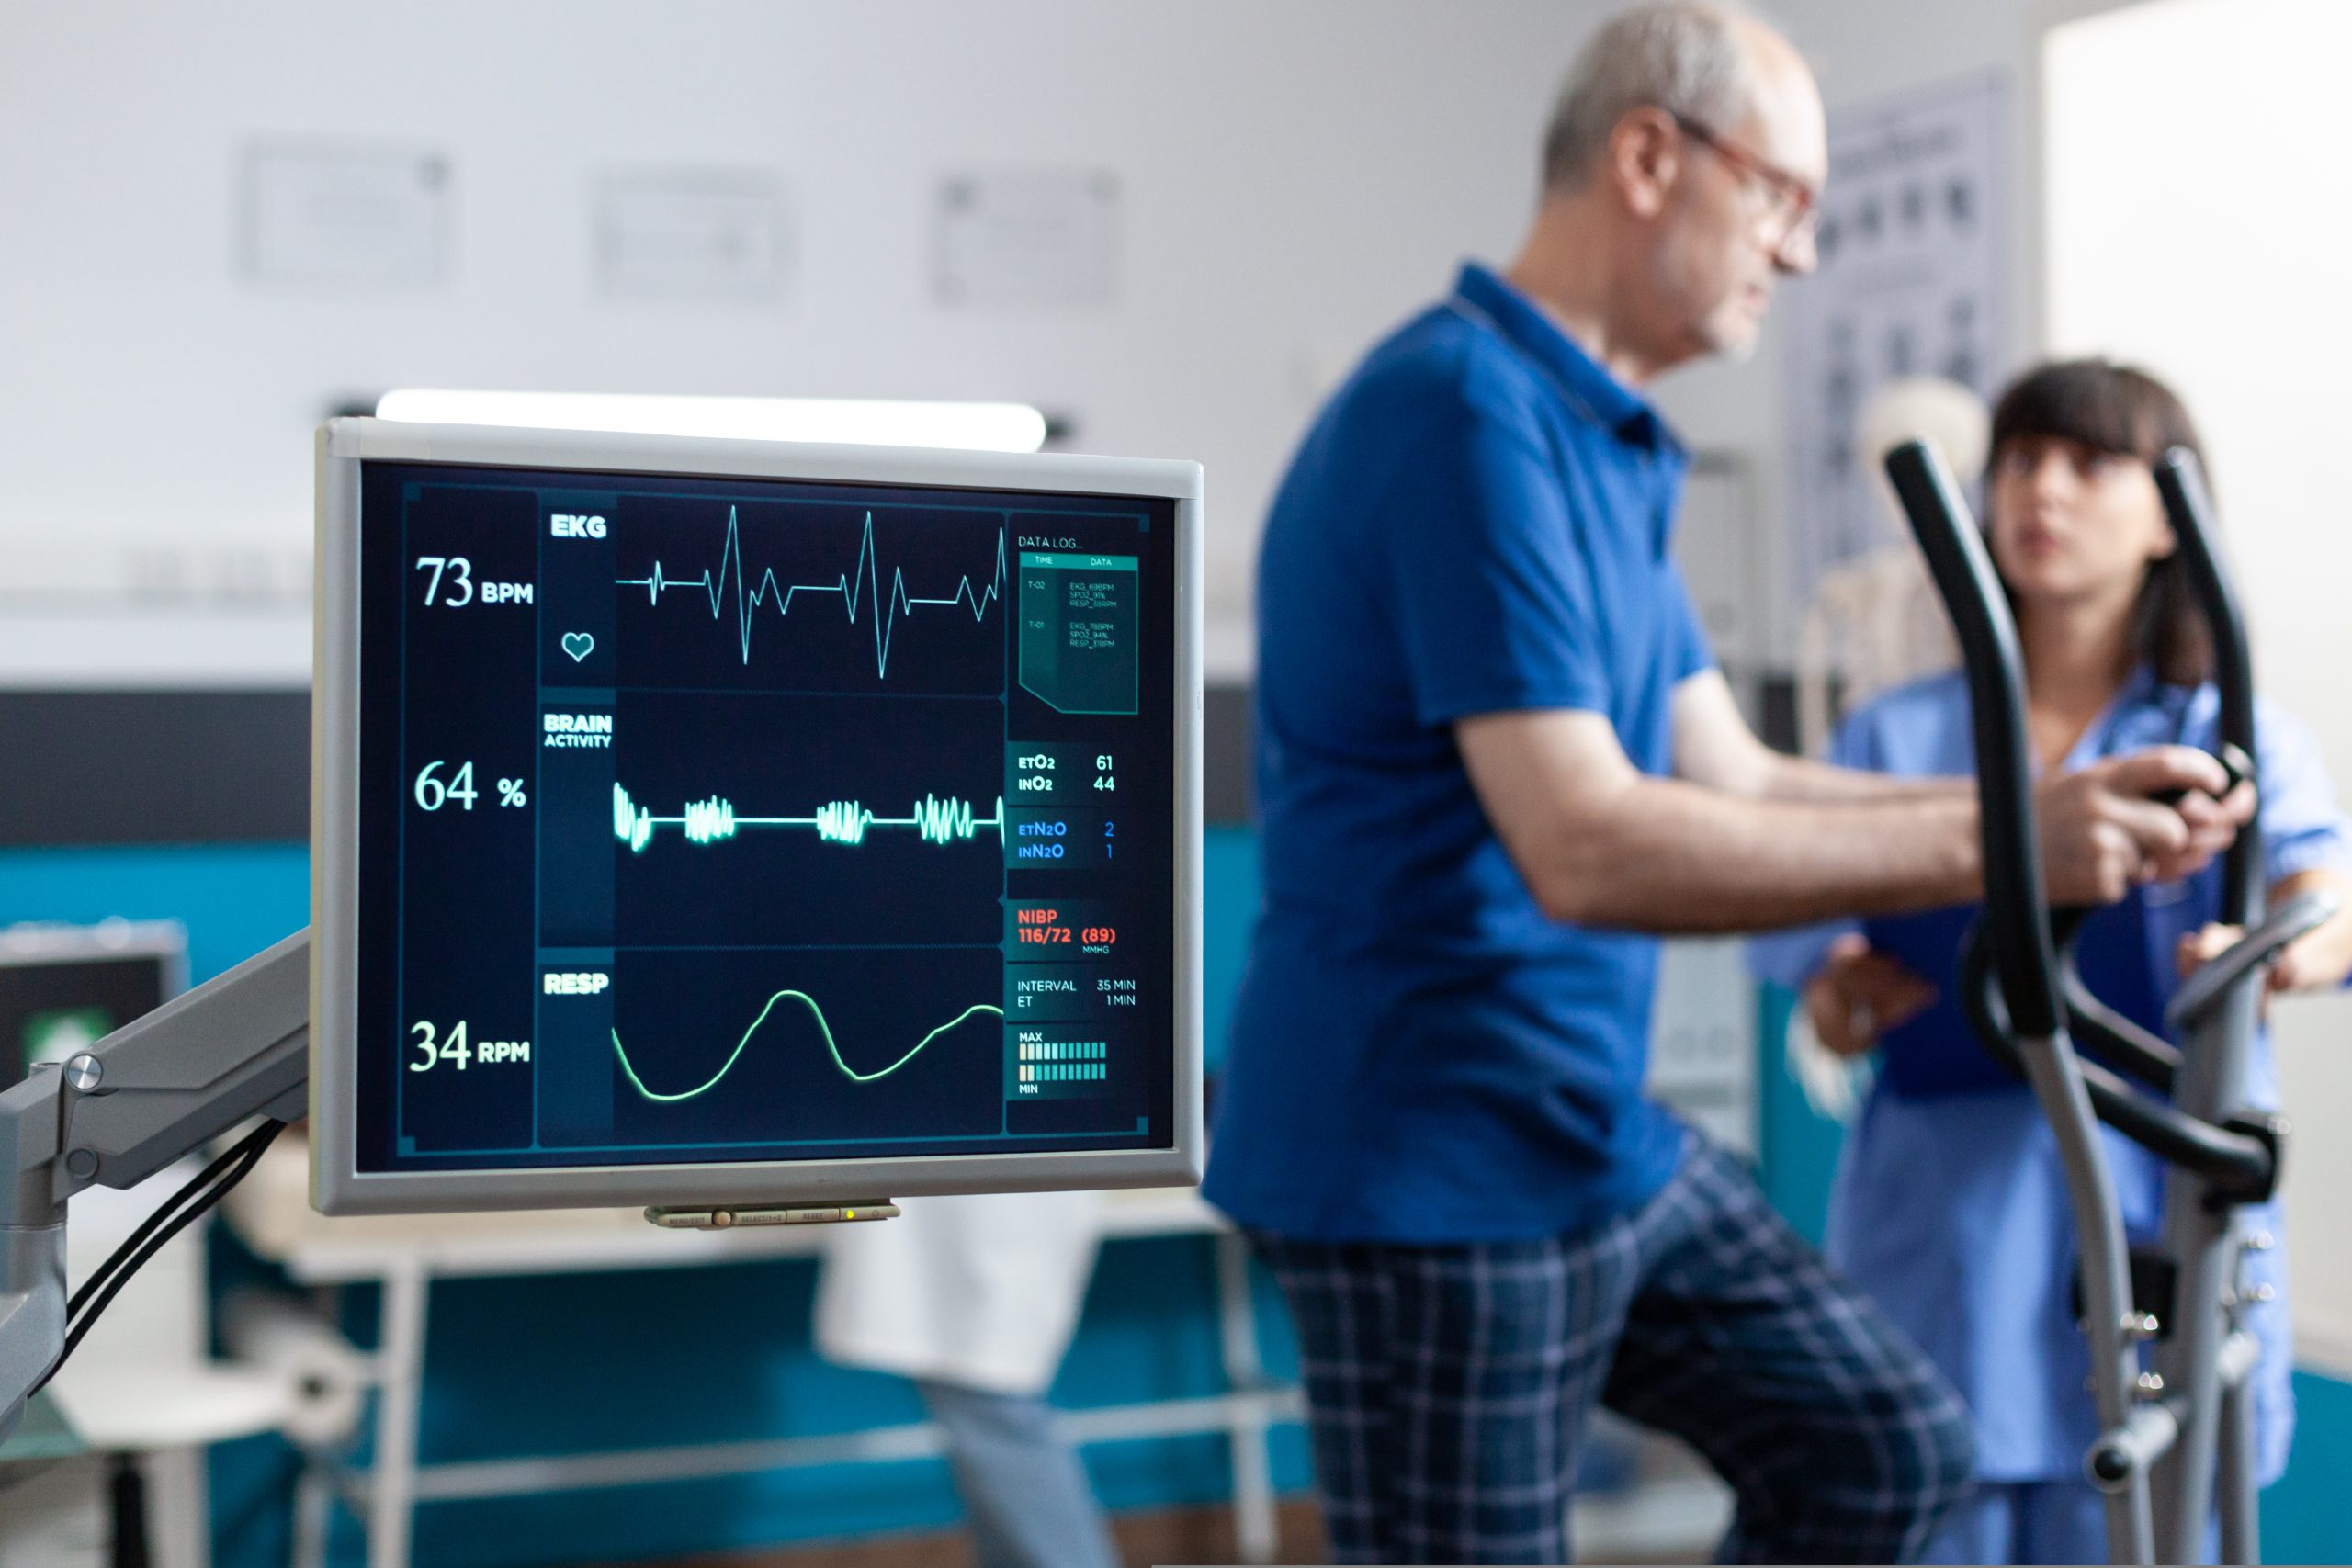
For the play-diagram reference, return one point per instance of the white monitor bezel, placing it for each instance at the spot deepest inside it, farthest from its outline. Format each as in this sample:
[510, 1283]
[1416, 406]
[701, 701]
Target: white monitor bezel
[337, 1185]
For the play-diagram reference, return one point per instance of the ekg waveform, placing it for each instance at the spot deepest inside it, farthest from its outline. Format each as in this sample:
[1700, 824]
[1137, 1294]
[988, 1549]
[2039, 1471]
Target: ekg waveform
[817, 1014]
[860, 589]
[935, 820]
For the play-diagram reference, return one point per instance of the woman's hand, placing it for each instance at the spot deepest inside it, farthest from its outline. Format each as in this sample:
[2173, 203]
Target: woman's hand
[1857, 995]
[2316, 961]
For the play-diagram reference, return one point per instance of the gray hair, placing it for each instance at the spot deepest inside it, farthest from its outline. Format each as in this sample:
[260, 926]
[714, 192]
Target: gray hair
[1684, 56]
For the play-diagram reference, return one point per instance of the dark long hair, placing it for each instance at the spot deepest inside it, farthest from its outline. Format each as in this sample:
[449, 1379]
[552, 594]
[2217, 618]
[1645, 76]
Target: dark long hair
[2123, 410]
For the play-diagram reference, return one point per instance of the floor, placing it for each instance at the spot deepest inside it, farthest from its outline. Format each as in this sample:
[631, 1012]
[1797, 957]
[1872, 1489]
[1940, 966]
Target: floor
[1162, 1536]
[1686, 1520]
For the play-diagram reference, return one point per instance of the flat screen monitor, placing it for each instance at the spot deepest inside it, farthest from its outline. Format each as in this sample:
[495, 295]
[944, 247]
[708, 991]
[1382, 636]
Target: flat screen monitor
[712, 821]
[65, 987]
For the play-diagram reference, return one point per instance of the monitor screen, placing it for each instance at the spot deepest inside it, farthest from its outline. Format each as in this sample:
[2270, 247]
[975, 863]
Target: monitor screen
[63, 988]
[756, 820]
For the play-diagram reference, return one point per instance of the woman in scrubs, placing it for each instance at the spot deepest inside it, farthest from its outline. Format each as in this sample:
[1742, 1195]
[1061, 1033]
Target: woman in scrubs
[1949, 1205]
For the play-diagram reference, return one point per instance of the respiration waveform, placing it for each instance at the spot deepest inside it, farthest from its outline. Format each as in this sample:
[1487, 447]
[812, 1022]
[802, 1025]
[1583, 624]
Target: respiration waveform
[935, 820]
[860, 587]
[817, 1014]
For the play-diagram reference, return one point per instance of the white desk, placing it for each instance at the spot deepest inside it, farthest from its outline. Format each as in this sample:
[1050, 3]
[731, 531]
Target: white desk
[404, 1254]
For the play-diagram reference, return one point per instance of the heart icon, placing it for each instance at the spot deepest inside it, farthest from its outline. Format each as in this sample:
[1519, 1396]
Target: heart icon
[580, 645]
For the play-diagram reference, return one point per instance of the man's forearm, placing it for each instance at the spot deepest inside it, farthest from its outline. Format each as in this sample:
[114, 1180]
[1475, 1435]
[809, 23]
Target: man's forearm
[1670, 857]
[1803, 779]
[1602, 843]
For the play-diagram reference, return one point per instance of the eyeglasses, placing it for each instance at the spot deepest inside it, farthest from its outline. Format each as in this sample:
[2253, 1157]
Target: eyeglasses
[1789, 198]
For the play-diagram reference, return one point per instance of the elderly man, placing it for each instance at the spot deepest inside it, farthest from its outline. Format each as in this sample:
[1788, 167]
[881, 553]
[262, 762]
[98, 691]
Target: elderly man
[1494, 757]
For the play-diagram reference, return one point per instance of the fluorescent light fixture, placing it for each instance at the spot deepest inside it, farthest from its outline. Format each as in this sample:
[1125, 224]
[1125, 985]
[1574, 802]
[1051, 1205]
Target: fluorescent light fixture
[983, 427]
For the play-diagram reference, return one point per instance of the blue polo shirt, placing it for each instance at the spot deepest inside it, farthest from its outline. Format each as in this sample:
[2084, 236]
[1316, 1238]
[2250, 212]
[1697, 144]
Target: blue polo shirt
[1478, 522]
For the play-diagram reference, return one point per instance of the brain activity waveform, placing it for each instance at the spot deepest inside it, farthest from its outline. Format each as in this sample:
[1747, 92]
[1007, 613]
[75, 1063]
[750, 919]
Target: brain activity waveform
[935, 820]
[817, 1014]
[860, 589]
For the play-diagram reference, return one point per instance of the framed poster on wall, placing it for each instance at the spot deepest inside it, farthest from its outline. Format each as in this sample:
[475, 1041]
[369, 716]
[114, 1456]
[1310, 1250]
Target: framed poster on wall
[1914, 281]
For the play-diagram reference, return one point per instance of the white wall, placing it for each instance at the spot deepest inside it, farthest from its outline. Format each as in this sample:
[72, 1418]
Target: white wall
[1295, 178]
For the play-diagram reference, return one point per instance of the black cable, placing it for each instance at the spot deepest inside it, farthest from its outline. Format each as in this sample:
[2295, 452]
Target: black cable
[162, 1215]
[247, 1153]
[163, 1212]
[174, 1215]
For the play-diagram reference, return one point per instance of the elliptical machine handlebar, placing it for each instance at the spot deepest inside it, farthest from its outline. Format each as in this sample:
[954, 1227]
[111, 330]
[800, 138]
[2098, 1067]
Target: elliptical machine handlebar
[2017, 978]
[2023, 954]
[2177, 1433]
[2189, 507]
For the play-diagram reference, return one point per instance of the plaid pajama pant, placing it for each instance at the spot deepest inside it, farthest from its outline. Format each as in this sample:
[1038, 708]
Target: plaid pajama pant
[1448, 1386]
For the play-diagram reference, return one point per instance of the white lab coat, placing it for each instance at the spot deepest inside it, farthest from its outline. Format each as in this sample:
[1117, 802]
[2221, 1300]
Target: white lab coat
[982, 1290]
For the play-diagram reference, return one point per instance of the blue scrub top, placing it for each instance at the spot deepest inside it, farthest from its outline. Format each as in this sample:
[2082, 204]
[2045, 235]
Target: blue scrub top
[1478, 522]
[1949, 1205]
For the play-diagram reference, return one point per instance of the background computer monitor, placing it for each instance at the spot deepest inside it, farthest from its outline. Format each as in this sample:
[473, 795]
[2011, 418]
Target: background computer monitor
[65, 988]
[704, 821]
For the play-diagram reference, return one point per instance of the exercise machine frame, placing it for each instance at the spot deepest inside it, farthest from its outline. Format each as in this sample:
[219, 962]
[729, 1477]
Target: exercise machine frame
[2176, 1425]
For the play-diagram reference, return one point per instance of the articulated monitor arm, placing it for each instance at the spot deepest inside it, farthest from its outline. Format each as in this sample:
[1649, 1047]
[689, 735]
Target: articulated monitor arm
[234, 1047]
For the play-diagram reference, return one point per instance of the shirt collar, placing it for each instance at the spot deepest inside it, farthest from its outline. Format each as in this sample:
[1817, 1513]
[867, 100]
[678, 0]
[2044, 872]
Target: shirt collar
[1581, 379]
[2144, 711]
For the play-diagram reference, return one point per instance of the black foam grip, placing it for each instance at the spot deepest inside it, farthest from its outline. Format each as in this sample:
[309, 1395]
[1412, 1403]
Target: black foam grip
[2180, 480]
[2018, 925]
